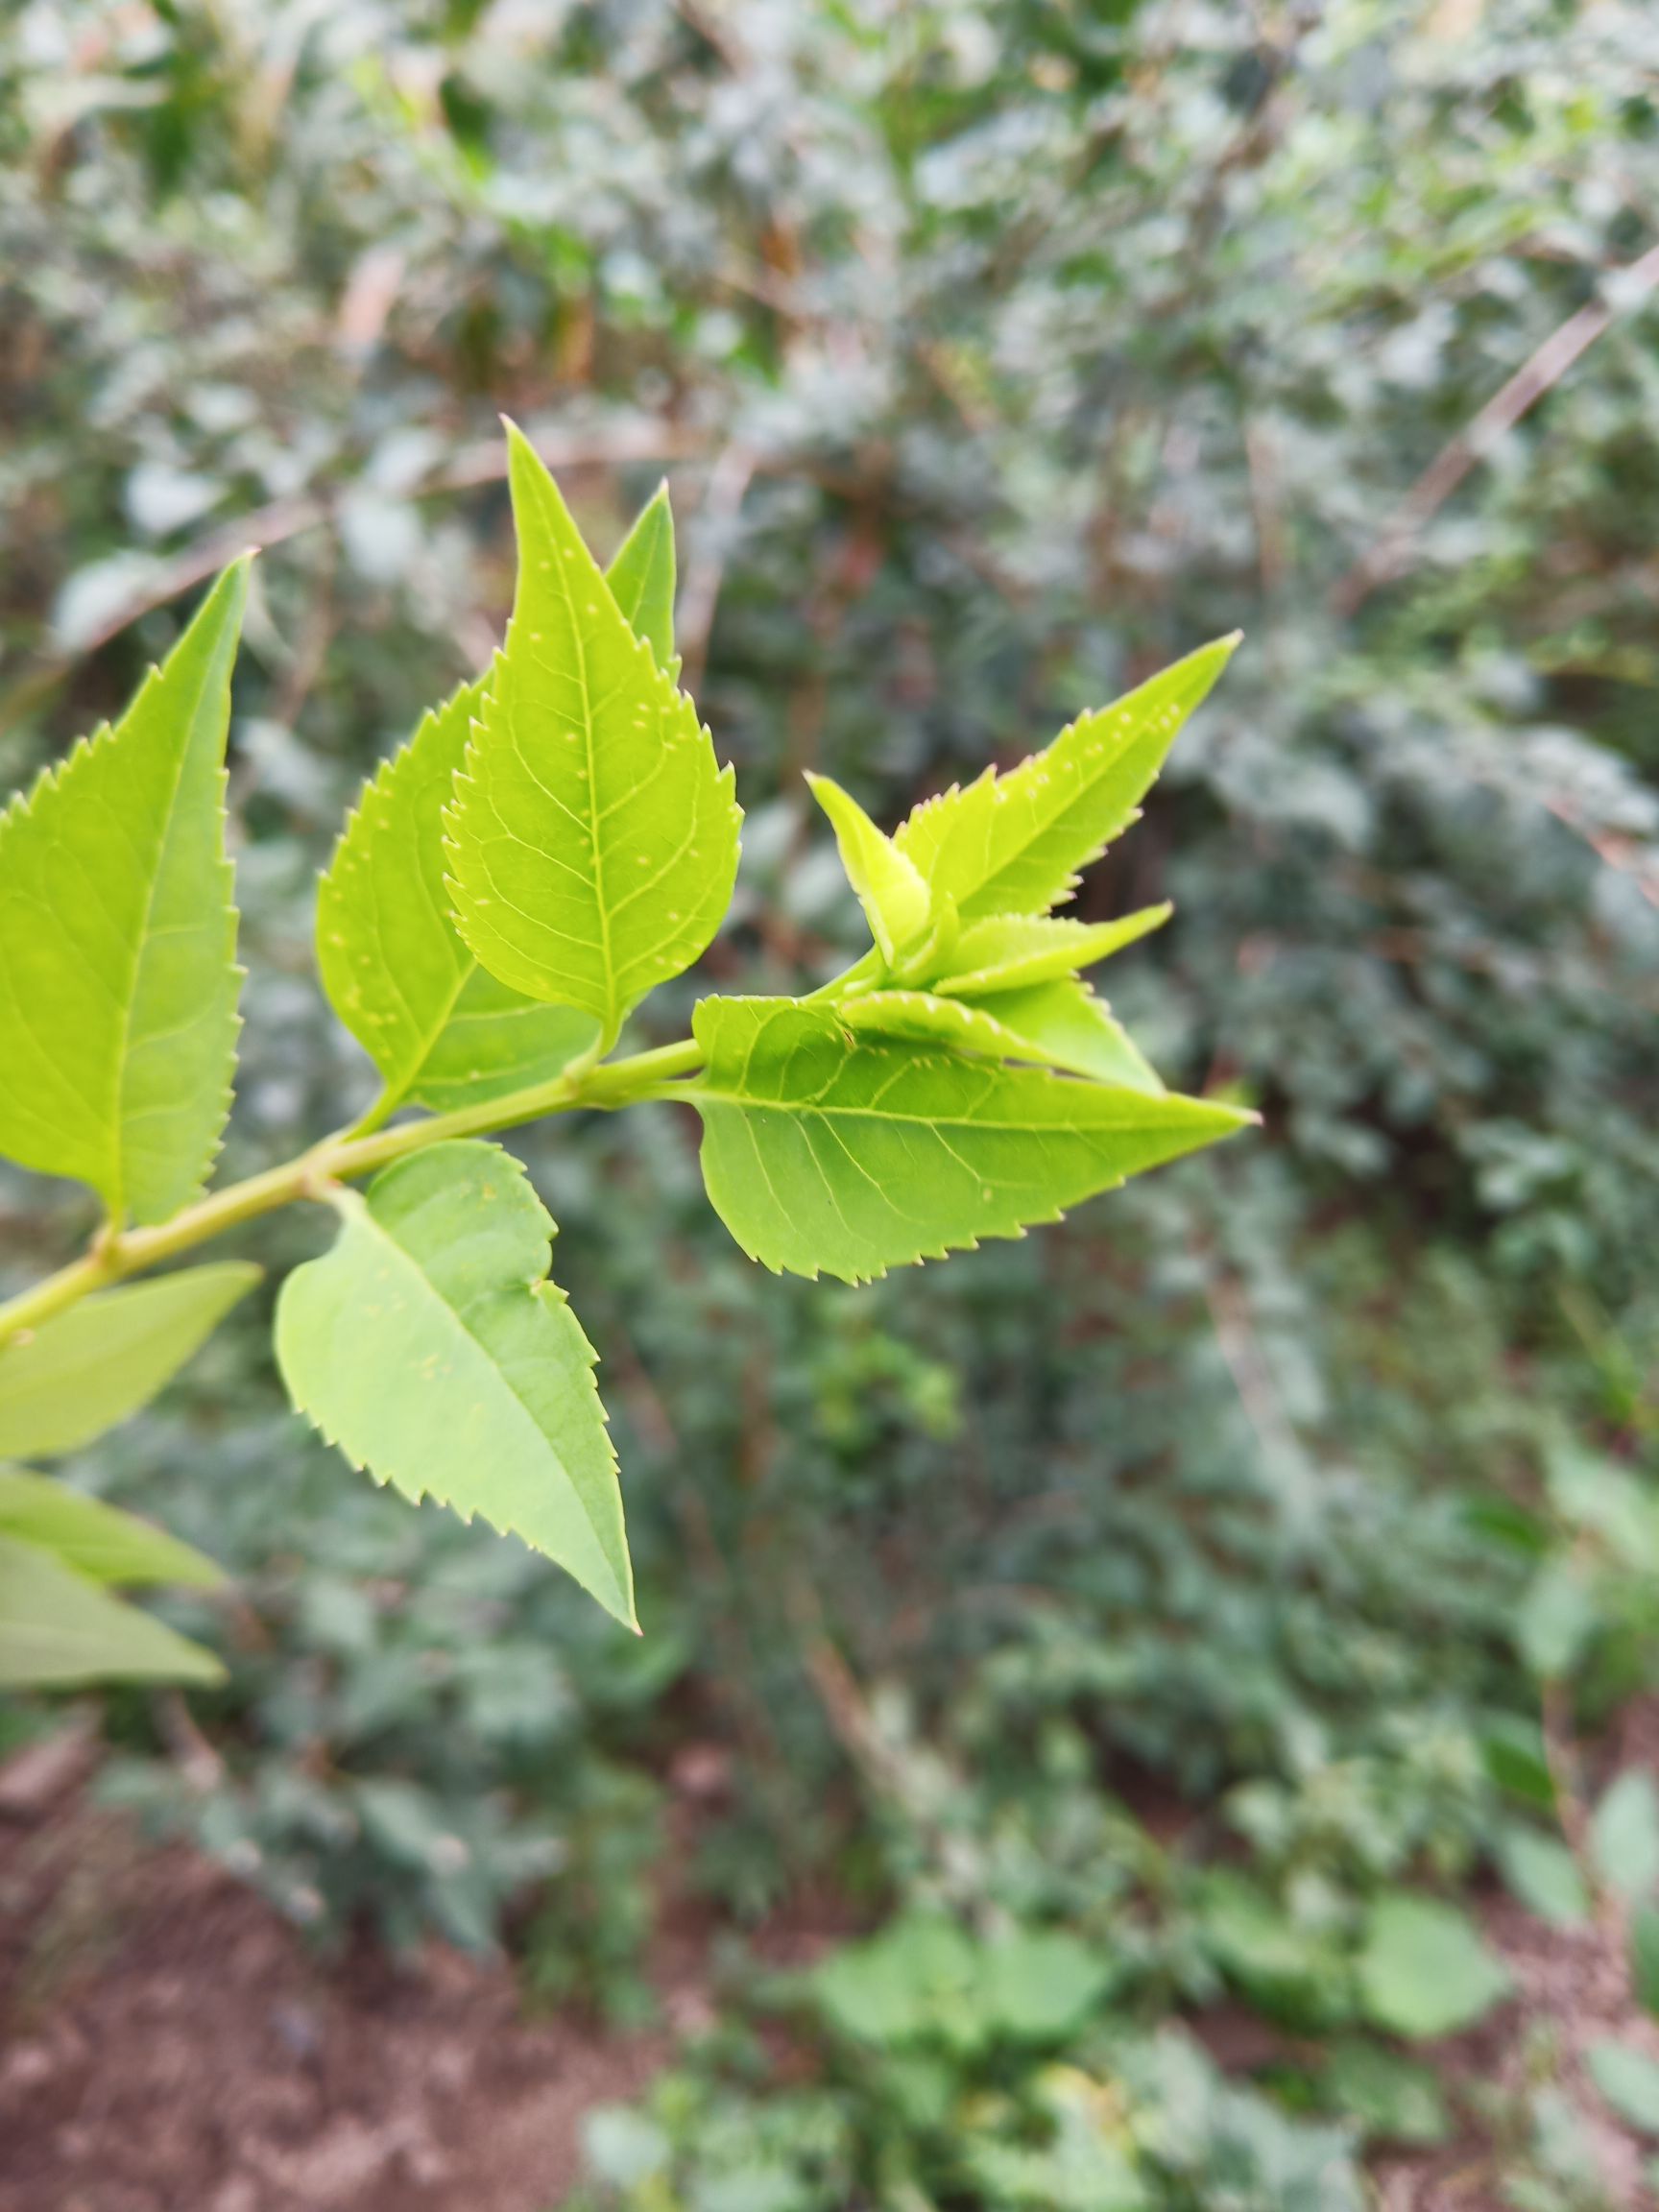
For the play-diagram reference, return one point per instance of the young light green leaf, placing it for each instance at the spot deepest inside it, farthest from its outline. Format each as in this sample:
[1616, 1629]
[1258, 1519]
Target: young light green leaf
[441, 1030]
[1011, 844]
[641, 578]
[1055, 1024]
[430, 1346]
[892, 894]
[593, 839]
[93, 1364]
[1012, 951]
[827, 1151]
[57, 1629]
[1066, 1025]
[1425, 1970]
[97, 1540]
[118, 971]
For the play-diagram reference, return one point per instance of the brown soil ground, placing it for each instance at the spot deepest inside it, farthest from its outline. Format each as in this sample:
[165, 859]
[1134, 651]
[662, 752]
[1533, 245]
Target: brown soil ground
[168, 2044]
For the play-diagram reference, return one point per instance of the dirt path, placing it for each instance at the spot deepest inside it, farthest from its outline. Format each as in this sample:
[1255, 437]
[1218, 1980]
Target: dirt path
[168, 2045]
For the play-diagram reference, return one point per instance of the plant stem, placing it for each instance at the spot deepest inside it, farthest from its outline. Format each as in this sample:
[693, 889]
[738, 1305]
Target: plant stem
[113, 1257]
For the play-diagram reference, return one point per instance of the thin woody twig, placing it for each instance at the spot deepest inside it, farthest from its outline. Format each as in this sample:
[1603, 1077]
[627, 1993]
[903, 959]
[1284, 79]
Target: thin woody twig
[729, 481]
[281, 520]
[1388, 556]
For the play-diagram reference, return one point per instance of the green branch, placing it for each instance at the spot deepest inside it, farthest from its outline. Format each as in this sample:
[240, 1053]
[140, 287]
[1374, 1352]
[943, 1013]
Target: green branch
[115, 1254]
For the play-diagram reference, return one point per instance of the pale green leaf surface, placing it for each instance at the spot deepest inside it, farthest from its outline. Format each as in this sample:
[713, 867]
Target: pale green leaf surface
[57, 1629]
[430, 1347]
[825, 1151]
[1544, 1875]
[97, 1540]
[1058, 1025]
[441, 1030]
[1065, 1025]
[641, 578]
[593, 839]
[1624, 1835]
[1012, 951]
[118, 975]
[1425, 1970]
[1630, 2080]
[891, 892]
[1011, 844]
[89, 1367]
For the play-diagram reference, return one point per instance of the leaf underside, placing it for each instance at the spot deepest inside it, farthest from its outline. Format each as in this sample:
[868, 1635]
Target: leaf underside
[430, 1346]
[89, 1368]
[1013, 844]
[823, 1151]
[118, 975]
[592, 838]
[443, 1031]
[57, 1628]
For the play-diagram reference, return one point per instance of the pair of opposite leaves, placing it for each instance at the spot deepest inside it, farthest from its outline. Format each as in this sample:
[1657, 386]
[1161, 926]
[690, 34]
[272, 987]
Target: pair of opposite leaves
[591, 844]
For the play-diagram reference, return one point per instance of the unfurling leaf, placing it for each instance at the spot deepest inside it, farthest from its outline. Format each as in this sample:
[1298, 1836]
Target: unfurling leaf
[1011, 951]
[827, 1151]
[1011, 844]
[57, 1628]
[441, 1030]
[592, 837]
[97, 1540]
[85, 1369]
[641, 578]
[892, 894]
[1055, 1024]
[118, 971]
[430, 1346]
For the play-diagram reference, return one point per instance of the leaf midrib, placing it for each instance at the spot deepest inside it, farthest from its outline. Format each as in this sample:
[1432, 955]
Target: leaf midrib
[117, 1200]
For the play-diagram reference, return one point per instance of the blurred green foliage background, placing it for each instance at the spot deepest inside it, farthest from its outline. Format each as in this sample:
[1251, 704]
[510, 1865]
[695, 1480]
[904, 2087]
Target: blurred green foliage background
[1270, 1552]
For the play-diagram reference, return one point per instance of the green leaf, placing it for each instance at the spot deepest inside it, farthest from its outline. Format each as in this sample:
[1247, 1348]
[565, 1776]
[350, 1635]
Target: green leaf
[86, 1368]
[57, 1629]
[1012, 951]
[441, 1030]
[1425, 1970]
[592, 837]
[118, 971]
[1624, 1835]
[1011, 844]
[1040, 1985]
[641, 578]
[827, 1151]
[892, 894]
[1394, 2099]
[1065, 1025]
[1544, 1875]
[1630, 2080]
[1056, 1024]
[95, 1539]
[1059, 1024]
[430, 1346]
[1555, 1618]
[1644, 1957]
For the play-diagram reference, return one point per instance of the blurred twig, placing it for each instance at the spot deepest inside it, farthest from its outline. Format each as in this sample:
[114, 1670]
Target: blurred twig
[274, 525]
[1545, 369]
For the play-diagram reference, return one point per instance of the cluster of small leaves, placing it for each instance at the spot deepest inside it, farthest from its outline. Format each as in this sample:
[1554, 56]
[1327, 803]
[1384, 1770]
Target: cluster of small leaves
[553, 843]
